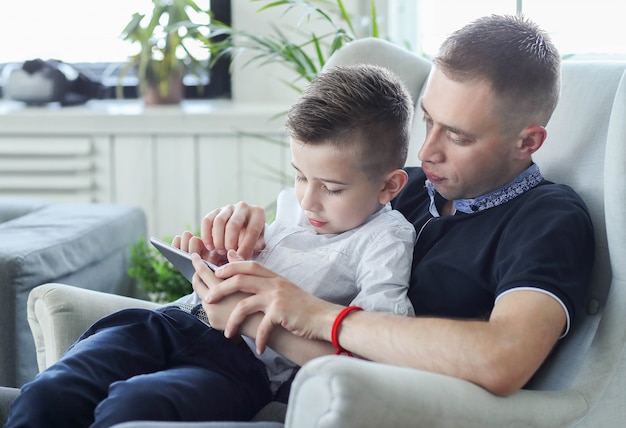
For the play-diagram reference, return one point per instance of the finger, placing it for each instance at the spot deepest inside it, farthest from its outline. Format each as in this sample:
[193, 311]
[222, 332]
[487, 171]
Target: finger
[203, 273]
[260, 245]
[234, 257]
[240, 314]
[235, 225]
[199, 287]
[218, 230]
[184, 240]
[233, 324]
[196, 245]
[176, 241]
[239, 283]
[206, 229]
[246, 267]
[216, 258]
[263, 333]
[250, 237]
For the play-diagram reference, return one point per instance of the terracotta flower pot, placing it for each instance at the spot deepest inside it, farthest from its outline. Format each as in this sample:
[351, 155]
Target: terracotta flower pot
[173, 93]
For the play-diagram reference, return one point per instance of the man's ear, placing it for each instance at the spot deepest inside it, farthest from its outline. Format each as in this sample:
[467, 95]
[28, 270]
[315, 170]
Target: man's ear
[394, 182]
[531, 140]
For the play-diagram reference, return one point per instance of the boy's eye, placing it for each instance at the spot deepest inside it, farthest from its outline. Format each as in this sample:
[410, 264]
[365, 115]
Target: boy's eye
[331, 191]
[300, 178]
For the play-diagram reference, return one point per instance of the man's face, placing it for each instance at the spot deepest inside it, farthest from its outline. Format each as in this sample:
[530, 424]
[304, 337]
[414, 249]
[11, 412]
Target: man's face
[464, 154]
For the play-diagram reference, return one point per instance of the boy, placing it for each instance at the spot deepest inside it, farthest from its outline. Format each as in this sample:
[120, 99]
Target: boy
[335, 234]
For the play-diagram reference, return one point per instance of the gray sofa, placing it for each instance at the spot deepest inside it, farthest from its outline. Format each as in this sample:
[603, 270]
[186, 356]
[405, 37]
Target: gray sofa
[583, 384]
[86, 245]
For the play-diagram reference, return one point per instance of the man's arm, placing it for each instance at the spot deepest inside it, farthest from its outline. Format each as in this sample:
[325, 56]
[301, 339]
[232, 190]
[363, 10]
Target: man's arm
[499, 354]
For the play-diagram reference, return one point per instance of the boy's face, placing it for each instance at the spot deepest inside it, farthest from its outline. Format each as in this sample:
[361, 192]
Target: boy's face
[335, 195]
[465, 154]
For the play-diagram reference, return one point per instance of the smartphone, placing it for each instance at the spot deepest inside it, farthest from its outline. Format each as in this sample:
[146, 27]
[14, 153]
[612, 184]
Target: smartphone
[179, 258]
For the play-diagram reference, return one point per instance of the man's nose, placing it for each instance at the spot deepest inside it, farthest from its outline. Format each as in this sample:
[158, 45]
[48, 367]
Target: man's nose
[431, 150]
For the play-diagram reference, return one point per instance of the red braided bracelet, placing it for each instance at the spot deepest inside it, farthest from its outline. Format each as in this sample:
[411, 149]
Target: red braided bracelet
[335, 331]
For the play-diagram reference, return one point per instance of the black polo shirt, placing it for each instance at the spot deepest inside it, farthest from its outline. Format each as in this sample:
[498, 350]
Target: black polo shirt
[541, 239]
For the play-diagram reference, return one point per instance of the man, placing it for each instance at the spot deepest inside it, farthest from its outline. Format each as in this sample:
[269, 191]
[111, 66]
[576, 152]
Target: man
[502, 259]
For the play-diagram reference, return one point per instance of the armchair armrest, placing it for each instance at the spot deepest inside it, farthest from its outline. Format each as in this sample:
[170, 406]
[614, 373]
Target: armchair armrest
[341, 391]
[58, 314]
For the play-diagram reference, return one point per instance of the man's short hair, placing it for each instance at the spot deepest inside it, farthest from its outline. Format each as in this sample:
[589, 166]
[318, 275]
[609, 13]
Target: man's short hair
[515, 57]
[362, 108]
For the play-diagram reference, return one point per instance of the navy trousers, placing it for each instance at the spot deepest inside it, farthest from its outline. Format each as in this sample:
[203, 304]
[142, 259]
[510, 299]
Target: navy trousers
[141, 364]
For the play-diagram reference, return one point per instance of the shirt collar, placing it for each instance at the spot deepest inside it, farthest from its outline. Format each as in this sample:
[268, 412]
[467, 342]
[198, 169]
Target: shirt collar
[528, 179]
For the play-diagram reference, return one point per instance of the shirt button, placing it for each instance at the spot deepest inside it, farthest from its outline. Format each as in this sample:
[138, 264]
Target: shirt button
[401, 310]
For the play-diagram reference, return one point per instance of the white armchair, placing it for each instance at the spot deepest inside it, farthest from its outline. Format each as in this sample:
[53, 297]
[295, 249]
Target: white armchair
[583, 384]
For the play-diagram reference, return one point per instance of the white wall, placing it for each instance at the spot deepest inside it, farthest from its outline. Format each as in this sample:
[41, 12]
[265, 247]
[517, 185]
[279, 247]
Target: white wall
[175, 162]
[264, 84]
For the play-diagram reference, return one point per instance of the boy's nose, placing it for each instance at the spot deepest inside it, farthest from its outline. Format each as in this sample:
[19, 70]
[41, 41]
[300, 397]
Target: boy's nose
[309, 200]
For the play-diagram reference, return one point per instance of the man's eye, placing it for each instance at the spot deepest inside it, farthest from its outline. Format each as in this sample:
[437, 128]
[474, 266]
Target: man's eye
[457, 139]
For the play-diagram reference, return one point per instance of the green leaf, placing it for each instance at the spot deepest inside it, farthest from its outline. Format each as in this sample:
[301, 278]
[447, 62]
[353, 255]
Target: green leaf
[346, 17]
[155, 274]
[373, 15]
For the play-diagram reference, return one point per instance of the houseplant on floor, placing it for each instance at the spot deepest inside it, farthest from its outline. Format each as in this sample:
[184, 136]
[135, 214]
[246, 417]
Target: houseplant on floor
[168, 39]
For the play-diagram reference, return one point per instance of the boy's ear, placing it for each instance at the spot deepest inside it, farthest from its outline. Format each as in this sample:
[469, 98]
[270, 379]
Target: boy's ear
[394, 182]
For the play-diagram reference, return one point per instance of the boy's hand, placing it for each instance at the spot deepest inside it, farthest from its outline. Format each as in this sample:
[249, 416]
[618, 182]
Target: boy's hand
[190, 243]
[238, 227]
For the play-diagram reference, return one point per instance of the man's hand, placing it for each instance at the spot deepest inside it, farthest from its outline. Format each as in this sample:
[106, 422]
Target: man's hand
[237, 311]
[281, 303]
[203, 281]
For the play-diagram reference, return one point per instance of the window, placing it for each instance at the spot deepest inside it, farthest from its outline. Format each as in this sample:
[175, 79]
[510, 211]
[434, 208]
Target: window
[86, 34]
[581, 28]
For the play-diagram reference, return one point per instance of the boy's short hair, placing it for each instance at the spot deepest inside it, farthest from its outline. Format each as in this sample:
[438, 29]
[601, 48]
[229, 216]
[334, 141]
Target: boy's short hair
[363, 108]
[516, 58]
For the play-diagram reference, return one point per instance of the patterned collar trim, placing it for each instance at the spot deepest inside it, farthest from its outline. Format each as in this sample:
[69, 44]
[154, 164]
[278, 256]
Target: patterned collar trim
[528, 179]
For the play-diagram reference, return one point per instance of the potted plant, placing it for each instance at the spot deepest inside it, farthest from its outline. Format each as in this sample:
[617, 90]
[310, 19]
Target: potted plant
[166, 39]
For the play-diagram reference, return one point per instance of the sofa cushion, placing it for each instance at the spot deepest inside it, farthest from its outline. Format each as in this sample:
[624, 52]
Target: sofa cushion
[86, 245]
[62, 238]
[11, 208]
